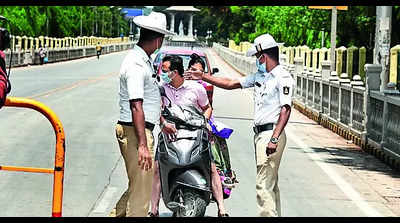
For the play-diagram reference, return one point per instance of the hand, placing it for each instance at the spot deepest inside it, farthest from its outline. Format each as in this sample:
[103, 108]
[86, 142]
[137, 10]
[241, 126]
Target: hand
[144, 158]
[170, 130]
[271, 148]
[209, 127]
[193, 75]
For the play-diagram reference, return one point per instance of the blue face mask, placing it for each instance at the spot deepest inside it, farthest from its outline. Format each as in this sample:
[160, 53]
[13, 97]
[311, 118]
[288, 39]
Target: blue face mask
[261, 67]
[165, 77]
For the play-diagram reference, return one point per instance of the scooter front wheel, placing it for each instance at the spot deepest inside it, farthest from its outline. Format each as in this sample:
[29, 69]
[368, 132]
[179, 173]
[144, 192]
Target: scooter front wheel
[195, 205]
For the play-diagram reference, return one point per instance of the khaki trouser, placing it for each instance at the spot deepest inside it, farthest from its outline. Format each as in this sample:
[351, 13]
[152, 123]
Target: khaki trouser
[135, 201]
[268, 198]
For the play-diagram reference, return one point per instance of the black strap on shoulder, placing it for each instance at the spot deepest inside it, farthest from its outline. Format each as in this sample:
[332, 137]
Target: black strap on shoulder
[162, 91]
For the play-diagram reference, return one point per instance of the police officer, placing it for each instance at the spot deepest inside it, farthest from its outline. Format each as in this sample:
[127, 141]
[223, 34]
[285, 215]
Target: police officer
[140, 110]
[273, 88]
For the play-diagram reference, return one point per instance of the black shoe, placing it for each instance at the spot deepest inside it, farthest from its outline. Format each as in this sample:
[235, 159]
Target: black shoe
[150, 214]
[223, 215]
[232, 175]
[227, 183]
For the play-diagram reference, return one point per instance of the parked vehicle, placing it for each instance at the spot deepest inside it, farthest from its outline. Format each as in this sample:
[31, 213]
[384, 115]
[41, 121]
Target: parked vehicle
[185, 55]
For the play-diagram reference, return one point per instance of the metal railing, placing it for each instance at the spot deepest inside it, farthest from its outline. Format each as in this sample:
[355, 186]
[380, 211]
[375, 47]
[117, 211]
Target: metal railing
[22, 58]
[184, 43]
[58, 170]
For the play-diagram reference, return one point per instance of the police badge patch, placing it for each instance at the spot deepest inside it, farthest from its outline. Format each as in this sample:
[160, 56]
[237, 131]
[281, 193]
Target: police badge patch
[285, 90]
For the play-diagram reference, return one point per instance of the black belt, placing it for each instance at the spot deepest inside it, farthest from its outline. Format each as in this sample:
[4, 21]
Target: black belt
[148, 125]
[261, 128]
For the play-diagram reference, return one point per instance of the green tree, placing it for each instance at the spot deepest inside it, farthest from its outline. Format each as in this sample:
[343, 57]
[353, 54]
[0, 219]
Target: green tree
[299, 25]
[61, 21]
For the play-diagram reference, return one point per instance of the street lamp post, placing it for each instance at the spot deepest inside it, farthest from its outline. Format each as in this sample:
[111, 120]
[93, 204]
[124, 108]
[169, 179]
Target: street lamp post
[323, 35]
[95, 18]
[93, 24]
[81, 21]
[119, 11]
[102, 21]
[111, 32]
[47, 22]
[112, 17]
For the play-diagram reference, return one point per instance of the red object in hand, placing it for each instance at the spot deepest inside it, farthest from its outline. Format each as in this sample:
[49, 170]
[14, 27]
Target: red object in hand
[3, 86]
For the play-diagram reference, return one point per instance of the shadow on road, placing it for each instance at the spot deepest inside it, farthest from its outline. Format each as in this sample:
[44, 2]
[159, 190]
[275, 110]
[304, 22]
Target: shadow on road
[354, 158]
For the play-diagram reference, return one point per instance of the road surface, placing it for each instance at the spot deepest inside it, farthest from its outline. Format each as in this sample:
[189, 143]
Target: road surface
[321, 174]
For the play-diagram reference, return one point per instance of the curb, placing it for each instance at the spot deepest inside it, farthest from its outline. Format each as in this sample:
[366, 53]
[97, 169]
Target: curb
[349, 135]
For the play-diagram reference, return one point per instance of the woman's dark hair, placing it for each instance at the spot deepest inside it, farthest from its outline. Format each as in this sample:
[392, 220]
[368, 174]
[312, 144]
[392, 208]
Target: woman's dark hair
[194, 58]
[176, 63]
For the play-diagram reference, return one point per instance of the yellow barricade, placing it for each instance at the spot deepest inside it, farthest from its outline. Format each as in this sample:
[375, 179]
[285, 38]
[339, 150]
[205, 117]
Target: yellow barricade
[58, 169]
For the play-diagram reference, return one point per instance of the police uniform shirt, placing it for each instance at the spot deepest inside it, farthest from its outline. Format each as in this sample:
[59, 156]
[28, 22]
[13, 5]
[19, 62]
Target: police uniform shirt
[136, 82]
[271, 91]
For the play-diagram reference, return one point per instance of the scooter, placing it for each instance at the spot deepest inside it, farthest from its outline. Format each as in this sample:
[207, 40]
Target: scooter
[185, 163]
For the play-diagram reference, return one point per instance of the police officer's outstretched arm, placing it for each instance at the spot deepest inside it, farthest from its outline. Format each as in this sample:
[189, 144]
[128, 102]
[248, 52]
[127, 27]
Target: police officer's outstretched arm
[222, 82]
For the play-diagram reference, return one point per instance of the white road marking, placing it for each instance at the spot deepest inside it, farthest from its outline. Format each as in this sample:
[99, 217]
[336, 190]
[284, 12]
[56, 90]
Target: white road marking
[106, 200]
[346, 188]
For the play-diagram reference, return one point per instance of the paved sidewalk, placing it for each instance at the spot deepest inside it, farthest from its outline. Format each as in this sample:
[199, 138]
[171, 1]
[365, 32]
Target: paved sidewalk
[370, 170]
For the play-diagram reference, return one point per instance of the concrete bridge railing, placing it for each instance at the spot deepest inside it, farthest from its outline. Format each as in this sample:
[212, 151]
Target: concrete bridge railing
[348, 106]
[31, 57]
[184, 43]
[25, 50]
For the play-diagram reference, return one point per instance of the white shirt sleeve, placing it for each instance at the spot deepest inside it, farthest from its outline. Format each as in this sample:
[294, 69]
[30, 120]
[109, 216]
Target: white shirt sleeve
[135, 77]
[285, 85]
[247, 81]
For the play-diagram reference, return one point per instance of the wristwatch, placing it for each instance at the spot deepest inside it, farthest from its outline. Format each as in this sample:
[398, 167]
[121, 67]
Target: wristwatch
[162, 125]
[274, 140]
